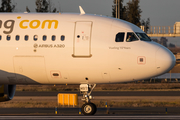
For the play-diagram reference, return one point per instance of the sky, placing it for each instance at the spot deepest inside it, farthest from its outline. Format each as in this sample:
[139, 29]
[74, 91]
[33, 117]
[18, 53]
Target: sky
[160, 12]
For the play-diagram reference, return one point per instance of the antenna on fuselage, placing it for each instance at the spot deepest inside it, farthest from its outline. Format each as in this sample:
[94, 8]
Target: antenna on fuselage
[81, 10]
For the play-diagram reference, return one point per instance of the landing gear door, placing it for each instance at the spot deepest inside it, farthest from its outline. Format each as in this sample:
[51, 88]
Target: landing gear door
[82, 39]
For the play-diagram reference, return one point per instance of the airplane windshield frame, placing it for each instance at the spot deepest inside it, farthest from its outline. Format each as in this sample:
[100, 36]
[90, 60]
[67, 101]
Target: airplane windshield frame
[143, 36]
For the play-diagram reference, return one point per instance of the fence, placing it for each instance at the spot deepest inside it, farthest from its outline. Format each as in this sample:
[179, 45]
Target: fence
[163, 31]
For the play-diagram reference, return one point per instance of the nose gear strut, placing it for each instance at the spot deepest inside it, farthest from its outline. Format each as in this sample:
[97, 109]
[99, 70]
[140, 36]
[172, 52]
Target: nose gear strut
[88, 108]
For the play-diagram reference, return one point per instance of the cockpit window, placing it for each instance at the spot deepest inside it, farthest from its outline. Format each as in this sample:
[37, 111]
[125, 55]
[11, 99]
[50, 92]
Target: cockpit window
[131, 37]
[143, 37]
[120, 37]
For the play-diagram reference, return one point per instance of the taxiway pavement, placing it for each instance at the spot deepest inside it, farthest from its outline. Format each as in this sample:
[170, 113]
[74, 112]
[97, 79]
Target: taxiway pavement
[104, 93]
[152, 117]
[138, 113]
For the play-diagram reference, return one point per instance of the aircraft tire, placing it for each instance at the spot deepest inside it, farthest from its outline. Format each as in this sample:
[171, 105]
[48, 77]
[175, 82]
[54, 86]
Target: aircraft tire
[94, 108]
[89, 109]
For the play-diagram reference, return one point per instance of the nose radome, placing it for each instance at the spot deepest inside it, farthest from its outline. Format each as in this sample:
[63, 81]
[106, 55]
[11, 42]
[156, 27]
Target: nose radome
[165, 60]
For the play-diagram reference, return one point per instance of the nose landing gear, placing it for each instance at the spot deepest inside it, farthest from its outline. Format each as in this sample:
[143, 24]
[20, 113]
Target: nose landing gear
[88, 108]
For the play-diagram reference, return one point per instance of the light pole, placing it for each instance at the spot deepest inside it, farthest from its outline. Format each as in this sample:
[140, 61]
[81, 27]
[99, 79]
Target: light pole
[116, 8]
[119, 5]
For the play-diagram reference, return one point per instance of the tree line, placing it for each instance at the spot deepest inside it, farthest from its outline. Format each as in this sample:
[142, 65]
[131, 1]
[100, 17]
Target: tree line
[164, 41]
[130, 12]
[41, 6]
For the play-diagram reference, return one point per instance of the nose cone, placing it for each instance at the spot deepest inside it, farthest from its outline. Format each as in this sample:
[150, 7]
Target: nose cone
[165, 60]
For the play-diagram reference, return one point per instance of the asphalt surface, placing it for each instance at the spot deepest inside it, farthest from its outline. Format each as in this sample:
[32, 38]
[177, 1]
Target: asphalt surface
[100, 111]
[105, 93]
[162, 117]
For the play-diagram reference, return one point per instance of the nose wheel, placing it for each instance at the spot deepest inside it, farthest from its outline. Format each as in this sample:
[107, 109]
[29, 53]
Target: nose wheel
[88, 108]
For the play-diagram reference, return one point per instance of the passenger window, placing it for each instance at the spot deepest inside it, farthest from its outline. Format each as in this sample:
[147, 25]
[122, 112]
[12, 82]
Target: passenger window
[35, 37]
[8, 37]
[17, 37]
[44, 37]
[53, 38]
[0, 37]
[26, 38]
[131, 37]
[62, 38]
[120, 37]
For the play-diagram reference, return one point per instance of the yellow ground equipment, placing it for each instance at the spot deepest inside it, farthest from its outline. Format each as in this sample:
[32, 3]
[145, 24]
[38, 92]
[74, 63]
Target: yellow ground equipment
[67, 99]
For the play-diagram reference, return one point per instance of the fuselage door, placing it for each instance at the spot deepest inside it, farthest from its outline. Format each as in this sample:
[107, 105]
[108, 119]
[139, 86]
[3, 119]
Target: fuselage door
[82, 39]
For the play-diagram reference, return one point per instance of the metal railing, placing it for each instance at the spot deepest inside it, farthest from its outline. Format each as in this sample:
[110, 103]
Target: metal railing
[163, 31]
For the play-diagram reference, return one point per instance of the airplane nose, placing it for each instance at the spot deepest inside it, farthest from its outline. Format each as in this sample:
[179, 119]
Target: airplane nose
[165, 60]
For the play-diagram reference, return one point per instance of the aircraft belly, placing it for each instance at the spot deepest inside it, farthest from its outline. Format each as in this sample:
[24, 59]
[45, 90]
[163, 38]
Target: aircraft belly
[30, 69]
[77, 75]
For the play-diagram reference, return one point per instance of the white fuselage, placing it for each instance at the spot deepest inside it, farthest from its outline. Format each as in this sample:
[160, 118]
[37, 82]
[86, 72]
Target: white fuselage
[83, 50]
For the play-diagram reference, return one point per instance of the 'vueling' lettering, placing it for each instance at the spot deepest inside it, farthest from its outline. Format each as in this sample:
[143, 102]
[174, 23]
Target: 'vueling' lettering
[34, 24]
[9, 24]
[24, 24]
